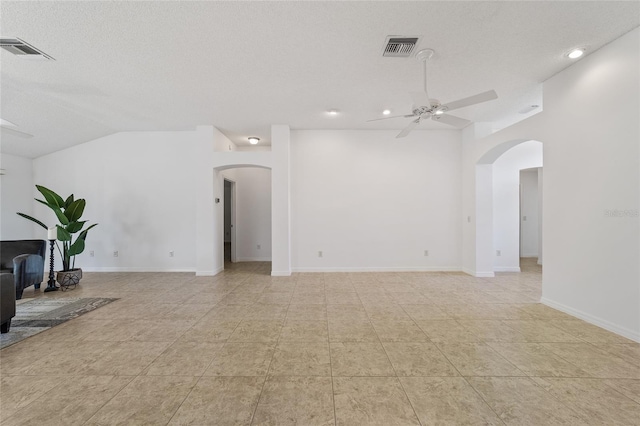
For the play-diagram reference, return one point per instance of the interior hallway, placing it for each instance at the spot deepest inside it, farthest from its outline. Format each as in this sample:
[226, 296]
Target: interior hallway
[335, 348]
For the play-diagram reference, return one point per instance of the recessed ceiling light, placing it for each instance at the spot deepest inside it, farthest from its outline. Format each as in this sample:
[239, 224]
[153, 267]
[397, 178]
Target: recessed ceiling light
[386, 112]
[332, 112]
[575, 53]
[254, 140]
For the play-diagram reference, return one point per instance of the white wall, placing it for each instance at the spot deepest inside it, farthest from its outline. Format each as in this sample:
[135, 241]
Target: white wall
[253, 214]
[139, 188]
[369, 201]
[506, 202]
[591, 260]
[529, 213]
[592, 166]
[16, 194]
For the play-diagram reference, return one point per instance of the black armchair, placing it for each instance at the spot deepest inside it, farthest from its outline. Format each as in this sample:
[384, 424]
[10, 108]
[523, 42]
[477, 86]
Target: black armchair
[25, 260]
[7, 301]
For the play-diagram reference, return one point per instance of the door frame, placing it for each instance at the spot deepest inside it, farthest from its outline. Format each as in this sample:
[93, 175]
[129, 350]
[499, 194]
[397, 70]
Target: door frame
[232, 198]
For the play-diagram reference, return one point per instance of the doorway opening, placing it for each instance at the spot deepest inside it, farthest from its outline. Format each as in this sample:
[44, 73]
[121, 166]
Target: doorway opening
[229, 235]
[530, 217]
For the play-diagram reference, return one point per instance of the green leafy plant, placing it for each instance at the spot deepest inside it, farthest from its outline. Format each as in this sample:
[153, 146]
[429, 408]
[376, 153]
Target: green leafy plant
[68, 212]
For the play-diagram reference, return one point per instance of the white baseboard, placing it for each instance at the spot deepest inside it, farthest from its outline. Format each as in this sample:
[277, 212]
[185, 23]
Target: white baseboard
[253, 259]
[135, 269]
[473, 273]
[506, 268]
[209, 273]
[614, 328]
[280, 273]
[529, 255]
[374, 269]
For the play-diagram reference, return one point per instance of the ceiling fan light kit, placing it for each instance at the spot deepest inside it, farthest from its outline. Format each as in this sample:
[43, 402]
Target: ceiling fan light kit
[425, 107]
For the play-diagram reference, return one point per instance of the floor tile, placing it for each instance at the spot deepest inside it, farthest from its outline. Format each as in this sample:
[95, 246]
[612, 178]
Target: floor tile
[519, 401]
[307, 312]
[533, 359]
[304, 331]
[447, 401]
[145, 400]
[242, 359]
[399, 331]
[371, 401]
[184, 358]
[629, 352]
[296, 401]
[595, 361]
[593, 400]
[447, 331]
[540, 331]
[418, 359]
[425, 312]
[477, 359]
[211, 330]
[628, 387]
[351, 331]
[220, 401]
[202, 346]
[72, 401]
[301, 359]
[256, 331]
[359, 359]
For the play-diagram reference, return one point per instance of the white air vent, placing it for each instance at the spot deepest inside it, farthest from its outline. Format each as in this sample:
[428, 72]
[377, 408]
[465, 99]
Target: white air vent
[22, 49]
[400, 47]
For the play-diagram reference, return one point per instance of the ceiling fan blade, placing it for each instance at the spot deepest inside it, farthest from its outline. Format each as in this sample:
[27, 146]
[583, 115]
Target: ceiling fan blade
[393, 116]
[451, 120]
[420, 99]
[472, 100]
[408, 129]
[14, 132]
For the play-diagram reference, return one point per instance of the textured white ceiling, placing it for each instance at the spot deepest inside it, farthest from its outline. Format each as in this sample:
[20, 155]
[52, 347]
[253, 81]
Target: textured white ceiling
[242, 66]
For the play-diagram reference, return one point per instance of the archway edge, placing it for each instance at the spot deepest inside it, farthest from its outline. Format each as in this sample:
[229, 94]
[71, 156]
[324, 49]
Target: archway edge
[496, 151]
[235, 159]
[483, 265]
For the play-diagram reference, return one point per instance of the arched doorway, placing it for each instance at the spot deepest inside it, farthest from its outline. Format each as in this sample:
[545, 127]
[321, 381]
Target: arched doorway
[498, 204]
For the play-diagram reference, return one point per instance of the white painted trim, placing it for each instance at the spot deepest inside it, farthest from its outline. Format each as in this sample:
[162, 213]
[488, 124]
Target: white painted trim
[253, 259]
[280, 273]
[377, 269]
[136, 269]
[478, 274]
[614, 328]
[533, 255]
[506, 269]
[209, 273]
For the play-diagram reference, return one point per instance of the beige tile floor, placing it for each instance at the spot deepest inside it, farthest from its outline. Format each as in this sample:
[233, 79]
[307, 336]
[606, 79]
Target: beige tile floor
[319, 349]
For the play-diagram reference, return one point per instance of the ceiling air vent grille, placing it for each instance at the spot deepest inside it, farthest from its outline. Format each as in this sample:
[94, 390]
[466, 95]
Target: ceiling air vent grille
[400, 47]
[22, 49]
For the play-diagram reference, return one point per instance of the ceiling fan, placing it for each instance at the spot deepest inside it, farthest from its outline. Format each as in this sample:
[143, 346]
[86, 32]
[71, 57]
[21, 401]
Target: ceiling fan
[425, 107]
[12, 129]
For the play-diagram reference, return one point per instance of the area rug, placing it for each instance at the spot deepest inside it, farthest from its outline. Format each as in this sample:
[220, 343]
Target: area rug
[37, 315]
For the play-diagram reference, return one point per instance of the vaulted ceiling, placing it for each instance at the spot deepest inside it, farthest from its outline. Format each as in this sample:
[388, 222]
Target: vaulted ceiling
[242, 66]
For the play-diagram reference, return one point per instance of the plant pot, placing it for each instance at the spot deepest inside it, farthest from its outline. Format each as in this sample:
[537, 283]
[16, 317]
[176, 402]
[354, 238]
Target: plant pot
[69, 278]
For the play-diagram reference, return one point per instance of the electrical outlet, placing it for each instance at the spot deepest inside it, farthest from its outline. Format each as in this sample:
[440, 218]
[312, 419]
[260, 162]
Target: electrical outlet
[498, 253]
[524, 218]
[320, 253]
[91, 253]
[469, 219]
[115, 253]
[171, 253]
[426, 252]
[258, 246]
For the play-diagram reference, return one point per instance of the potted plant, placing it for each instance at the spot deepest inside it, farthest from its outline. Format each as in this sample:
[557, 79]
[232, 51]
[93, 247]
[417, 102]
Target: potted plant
[68, 212]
